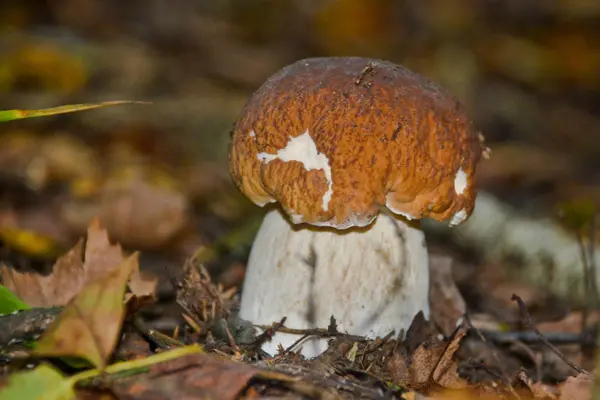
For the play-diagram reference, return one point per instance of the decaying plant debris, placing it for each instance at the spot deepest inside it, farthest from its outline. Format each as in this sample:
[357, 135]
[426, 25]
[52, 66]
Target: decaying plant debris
[466, 362]
[526, 70]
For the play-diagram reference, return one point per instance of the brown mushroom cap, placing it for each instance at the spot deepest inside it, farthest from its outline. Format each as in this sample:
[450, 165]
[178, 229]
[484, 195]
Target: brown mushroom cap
[334, 139]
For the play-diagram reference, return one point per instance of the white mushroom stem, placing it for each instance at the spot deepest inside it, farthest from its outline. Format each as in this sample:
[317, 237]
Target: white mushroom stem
[372, 281]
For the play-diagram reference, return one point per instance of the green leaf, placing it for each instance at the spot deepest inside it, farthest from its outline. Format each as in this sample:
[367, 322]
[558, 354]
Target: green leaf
[41, 383]
[9, 115]
[9, 302]
[89, 325]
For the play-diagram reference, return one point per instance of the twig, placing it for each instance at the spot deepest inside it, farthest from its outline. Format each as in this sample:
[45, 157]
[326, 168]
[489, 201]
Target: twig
[268, 332]
[314, 332]
[232, 343]
[156, 338]
[302, 338]
[504, 376]
[525, 314]
[560, 338]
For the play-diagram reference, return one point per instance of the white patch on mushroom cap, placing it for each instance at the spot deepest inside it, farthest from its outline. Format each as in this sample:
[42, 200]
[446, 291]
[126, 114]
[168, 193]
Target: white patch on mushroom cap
[303, 149]
[398, 212]
[458, 218]
[252, 134]
[460, 182]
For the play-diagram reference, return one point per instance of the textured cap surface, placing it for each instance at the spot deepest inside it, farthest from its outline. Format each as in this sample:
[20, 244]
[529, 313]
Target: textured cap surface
[334, 139]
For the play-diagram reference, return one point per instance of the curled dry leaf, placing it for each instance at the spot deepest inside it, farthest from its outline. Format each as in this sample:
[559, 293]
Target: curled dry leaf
[447, 304]
[55, 289]
[142, 288]
[204, 376]
[89, 325]
[577, 388]
[537, 389]
[143, 214]
[430, 364]
[70, 273]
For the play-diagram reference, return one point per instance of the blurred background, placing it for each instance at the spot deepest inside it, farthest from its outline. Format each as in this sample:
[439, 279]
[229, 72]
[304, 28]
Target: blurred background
[528, 71]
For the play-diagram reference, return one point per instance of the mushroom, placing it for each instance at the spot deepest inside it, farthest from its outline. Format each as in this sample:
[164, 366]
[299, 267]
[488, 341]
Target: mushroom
[354, 152]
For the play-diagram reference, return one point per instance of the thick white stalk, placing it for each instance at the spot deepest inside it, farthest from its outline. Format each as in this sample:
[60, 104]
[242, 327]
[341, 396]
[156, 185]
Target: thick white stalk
[373, 280]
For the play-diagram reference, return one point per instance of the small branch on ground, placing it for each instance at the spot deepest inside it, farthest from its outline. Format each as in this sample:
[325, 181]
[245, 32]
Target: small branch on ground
[505, 378]
[296, 343]
[557, 338]
[269, 331]
[315, 332]
[153, 337]
[527, 317]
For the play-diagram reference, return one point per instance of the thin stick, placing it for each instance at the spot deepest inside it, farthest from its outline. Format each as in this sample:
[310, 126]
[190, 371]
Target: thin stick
[269, 331]
[232, 343]
[315, 332]
[504, 376]
[302, 338]
[557, 338]
[525, 314]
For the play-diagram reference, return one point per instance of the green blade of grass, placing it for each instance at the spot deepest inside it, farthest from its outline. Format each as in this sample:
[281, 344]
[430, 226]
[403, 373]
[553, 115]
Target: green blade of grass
[9, 115]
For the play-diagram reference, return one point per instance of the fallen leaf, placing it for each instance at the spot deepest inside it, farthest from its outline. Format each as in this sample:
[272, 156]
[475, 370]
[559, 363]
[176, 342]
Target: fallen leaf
[428, 364]
[447, 304]
[70, 272]
[142, 288]
[576, 388]
[55, 289]
[445, 373]
[29, 242]
[100, 255]
[141, 212]
[537, 389]
[41, 383]
[89, 326]
[197, 376]
[571, 323]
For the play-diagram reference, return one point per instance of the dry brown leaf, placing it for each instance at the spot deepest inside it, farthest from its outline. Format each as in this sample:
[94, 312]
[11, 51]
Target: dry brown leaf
[537, 389]
[70, 273]
[142, 288]
[142, 214]
[89, 325]
[100, 255]
[431, 363]
[55, 289]
[577, 388]
[571, 323]
[447, 304]
[445, 373]
[204, 376]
